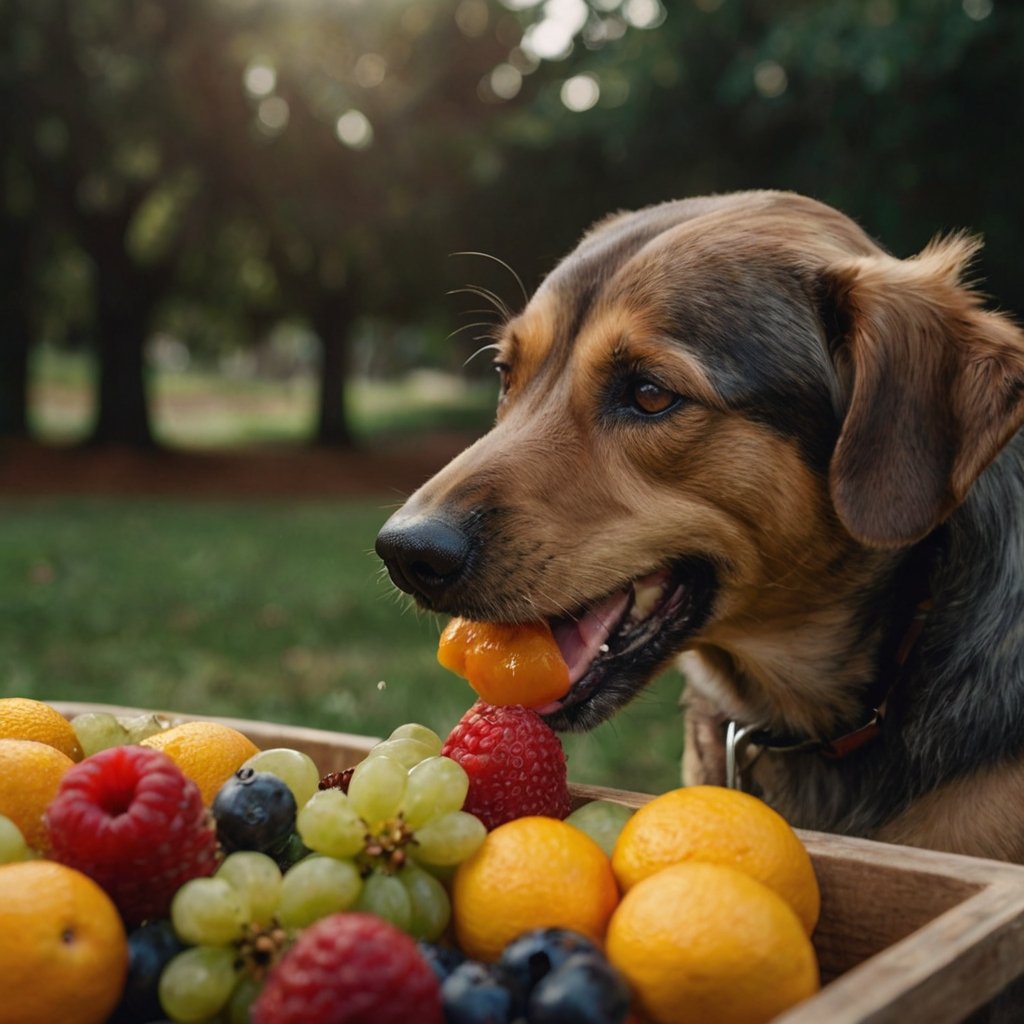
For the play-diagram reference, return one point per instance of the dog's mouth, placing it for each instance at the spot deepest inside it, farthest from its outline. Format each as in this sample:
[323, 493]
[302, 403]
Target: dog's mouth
[614, 645]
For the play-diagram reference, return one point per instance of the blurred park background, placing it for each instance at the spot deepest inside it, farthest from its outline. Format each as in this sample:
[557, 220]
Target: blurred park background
[249, 247]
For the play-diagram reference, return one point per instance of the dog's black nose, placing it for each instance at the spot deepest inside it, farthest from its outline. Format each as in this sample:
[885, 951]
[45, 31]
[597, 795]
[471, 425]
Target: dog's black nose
[423, 556]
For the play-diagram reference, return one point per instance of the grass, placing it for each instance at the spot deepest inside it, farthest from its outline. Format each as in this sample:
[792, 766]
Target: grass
[200, 408]
[275, 611]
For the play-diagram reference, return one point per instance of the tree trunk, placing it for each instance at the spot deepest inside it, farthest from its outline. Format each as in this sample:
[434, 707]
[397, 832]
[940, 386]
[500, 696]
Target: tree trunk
[14, 348]
[122, 406]
[125, 302]
[332, 321]
[15, 330]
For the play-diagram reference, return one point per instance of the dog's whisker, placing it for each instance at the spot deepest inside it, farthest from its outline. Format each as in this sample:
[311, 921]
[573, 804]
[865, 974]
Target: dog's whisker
[501, 263]
[469, 327]
[474, 312]
[490, 347]
[485, 293]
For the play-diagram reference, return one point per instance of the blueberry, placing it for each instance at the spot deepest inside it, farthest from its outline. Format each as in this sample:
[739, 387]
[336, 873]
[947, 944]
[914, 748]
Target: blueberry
[536, 953]
[254, 811]
[150, 947]
[586, 989]
[476, 993]
[443, 959]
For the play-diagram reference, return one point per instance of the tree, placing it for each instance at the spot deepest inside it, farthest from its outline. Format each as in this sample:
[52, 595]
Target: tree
[908, 116]
[264, 160]
[361, 125]
[97, 80]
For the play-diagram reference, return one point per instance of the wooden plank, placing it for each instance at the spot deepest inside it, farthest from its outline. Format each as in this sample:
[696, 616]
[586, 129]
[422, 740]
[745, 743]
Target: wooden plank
[939, 974]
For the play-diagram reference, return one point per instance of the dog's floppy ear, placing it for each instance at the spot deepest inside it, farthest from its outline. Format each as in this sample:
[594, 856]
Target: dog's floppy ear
[934, 384]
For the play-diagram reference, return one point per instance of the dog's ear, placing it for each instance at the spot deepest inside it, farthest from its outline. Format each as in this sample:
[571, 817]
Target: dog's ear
[934, 387]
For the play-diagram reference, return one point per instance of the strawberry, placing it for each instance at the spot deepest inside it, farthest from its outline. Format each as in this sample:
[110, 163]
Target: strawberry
[129, 819]
[350, 968]
[515, 763]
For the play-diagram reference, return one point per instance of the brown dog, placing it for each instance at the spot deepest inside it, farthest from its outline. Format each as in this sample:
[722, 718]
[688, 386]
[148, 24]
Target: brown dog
[735, 427]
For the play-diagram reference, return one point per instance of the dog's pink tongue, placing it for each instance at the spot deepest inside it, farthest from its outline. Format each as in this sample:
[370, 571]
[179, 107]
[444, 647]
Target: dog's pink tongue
[581, 640]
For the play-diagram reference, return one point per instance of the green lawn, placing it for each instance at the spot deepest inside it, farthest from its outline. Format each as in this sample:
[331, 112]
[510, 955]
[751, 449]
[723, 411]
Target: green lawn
[200, 408]
[259, 610]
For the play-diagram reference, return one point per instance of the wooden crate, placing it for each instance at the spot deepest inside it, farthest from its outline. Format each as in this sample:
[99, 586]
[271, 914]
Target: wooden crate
[906, 936]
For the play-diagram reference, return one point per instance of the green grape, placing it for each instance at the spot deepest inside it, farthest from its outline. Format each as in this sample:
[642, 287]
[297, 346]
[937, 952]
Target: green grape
[98, 730]
[449, 839]
[376, 788]
[385, 896]
[141, 727]
[257, 878]
[296, 769]
[415, 731]
[197, 983]
[209, 912]
[602, 820]
[431, 908]
[293, 850]
[12, 843]
[406, 752]
[444, 873]
[435, 787]
[237, 1010]
[316, 887]
[329, 824]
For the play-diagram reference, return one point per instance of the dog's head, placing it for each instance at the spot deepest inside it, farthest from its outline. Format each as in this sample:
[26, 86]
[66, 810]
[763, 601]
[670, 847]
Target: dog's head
[716, 416]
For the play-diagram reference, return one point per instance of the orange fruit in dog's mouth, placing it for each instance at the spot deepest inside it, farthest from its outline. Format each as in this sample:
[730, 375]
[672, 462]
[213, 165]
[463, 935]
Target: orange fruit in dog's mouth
[504, 663]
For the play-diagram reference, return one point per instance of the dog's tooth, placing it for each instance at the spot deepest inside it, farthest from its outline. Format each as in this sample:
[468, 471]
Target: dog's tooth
[645, 600]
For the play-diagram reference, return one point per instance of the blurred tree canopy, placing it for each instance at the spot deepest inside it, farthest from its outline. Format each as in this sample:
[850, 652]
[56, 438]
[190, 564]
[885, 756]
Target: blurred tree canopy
[210, 168]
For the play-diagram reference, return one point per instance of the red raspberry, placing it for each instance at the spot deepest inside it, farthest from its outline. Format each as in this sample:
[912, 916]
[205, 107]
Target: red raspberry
[129, 819]
[515, 763]
[350, 968]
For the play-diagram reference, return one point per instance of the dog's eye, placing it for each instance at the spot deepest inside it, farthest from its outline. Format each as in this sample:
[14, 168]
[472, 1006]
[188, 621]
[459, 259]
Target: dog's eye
[503, 376]
[650, 398]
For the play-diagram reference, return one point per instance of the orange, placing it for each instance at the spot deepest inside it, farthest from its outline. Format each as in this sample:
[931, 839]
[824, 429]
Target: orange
[719, 826]
[30, 773]
[531, 872]
[707, 944]
[25, 719]
[506, 664]
[63, 952]
[209, 753]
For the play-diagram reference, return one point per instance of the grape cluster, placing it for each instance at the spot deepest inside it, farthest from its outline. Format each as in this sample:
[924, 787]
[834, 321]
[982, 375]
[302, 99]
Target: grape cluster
[298, 853]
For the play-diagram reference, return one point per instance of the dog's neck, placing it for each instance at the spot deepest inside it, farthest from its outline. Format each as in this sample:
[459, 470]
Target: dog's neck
[821, 673]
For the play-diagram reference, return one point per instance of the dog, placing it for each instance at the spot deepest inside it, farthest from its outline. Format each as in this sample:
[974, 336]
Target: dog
[735, 431]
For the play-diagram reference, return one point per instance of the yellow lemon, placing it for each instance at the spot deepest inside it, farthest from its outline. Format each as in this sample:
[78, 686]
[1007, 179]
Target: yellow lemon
[30, 773]
[209, 753]
[707, 944]
[718, 826]
[532, 872]
[24, 719]
[63, 952]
